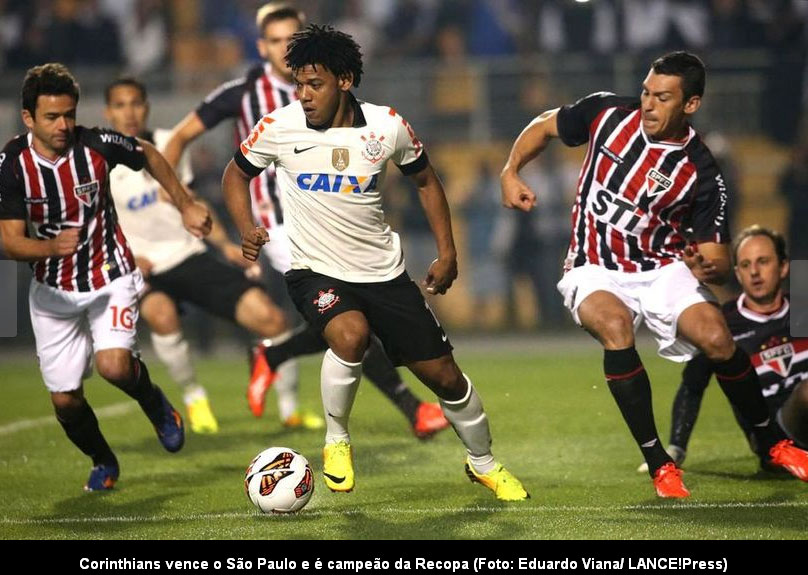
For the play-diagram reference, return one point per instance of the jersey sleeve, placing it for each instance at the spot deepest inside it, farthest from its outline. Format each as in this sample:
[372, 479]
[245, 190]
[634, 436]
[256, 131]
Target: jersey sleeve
[115, 147]
[575, 120]
[12, 190]
[409, 154]
[222, 103]
[708, 220]
[259, 150]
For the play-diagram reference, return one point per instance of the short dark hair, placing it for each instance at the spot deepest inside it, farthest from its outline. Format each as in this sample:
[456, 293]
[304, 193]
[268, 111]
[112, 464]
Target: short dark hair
[126, 81]
[51, 79]
[756, 230]
[688, 67]
[275, 11]
[330, 48]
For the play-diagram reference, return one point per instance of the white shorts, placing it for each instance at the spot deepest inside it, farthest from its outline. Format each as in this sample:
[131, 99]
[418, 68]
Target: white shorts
[277, 250]
[70, 326]
[657, 296]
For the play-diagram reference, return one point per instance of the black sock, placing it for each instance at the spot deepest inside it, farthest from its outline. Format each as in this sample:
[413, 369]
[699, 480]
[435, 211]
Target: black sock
[81, 427]
[631, 389]
[687, 403]
[302, 342]
[376, 366]
[142, 390]
[739, 381]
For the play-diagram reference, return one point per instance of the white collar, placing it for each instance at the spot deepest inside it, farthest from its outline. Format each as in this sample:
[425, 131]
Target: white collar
[762, 317]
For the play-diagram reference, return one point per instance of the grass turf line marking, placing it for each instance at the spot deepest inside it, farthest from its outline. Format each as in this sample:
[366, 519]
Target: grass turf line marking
[390, 510]
[114, 410]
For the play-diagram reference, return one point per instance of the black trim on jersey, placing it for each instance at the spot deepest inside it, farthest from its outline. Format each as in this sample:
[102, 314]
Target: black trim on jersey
[148, 135]
[574, 121]
[114, 151]
[83, 256]
[245, 165]
[225, 101]
[418, 164]
[54, 207]
[116, 260]
[707, 215]
[12, 187]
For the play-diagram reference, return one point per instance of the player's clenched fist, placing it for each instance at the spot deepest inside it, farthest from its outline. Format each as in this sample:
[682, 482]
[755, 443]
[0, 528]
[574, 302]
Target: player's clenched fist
[251, 242]
[196, 219]
[516, 194]
[66, 242]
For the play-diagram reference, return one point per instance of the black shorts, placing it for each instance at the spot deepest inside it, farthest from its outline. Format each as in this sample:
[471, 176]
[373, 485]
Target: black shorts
[396, 312]
[206, 281]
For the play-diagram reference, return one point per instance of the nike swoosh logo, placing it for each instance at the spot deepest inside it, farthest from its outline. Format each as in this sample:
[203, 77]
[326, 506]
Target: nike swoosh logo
[334, 478]
[301, 150]
[443, 337]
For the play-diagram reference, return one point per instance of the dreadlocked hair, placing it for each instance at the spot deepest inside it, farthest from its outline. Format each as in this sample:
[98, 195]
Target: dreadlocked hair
[324, 46]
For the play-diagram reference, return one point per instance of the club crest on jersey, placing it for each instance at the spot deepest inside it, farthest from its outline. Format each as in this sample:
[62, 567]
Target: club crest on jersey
[326, 300]
[657, 183]
[373, 151]
[778, 358]
[340, 158]
[85, 193]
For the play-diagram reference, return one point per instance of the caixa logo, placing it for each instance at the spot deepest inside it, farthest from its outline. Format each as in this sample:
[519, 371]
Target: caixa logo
[141, 201]
[337, 183]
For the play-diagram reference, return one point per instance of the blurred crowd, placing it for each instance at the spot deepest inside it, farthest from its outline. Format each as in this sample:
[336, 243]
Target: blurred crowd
[137, 34]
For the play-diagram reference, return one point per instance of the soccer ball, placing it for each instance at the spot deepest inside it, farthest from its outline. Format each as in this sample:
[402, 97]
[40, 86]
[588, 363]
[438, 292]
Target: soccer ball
[279, 480]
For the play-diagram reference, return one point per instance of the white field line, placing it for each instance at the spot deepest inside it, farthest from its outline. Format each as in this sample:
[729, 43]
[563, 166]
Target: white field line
[404, 511]
[114, 410]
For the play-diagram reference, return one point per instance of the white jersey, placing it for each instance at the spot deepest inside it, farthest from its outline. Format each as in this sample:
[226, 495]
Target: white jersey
[153, 225]
[330, 181]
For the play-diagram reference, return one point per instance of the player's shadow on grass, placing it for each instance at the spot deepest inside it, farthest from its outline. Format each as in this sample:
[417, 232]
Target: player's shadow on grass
[102, 515]
[778, 515]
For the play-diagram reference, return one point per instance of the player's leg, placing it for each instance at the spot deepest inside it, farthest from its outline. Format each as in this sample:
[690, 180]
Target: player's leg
[258, 313]
[64, 348]
[426, 419]
[172, 349]
[463, 408]
[112, 316]
[704, 326]
[610, 321]
[686, 406]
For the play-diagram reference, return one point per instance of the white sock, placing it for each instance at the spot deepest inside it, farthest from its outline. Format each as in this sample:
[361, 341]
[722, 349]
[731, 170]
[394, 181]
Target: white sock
[339, 381]
[471, 425]
[286, 387]
[172, 350]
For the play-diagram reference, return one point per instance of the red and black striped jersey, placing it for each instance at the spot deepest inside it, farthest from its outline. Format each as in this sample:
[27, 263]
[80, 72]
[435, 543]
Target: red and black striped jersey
[72, 191]
[639, 202]
[247, 100]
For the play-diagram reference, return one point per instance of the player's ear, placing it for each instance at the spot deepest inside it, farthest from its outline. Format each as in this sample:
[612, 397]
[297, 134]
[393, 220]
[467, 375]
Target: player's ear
[785, 267]
[262, 48]
[345, 81]
[27, 119]
[692, 104]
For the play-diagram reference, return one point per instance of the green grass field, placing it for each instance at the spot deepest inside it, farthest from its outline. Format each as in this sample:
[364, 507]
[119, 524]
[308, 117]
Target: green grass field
[554, 425]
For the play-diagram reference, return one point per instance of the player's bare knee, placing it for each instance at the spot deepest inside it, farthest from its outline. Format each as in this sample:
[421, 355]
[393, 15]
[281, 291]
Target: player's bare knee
[65, 405]
[350, 344]
[615, 331]
[115, 368]
[717, 345]
[450, 381]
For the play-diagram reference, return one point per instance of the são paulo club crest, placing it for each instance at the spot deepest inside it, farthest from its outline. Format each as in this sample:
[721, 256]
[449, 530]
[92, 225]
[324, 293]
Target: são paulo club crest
[374, 150]
[778, 357]
[326, 300]
[86, 192]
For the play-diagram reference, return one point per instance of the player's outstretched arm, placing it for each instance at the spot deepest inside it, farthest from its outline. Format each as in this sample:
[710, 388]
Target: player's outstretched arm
[236, 191]
[195, 215]
[188, 130]
[18, 246]
[530, 143]
[709, 262]
[443, 270]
